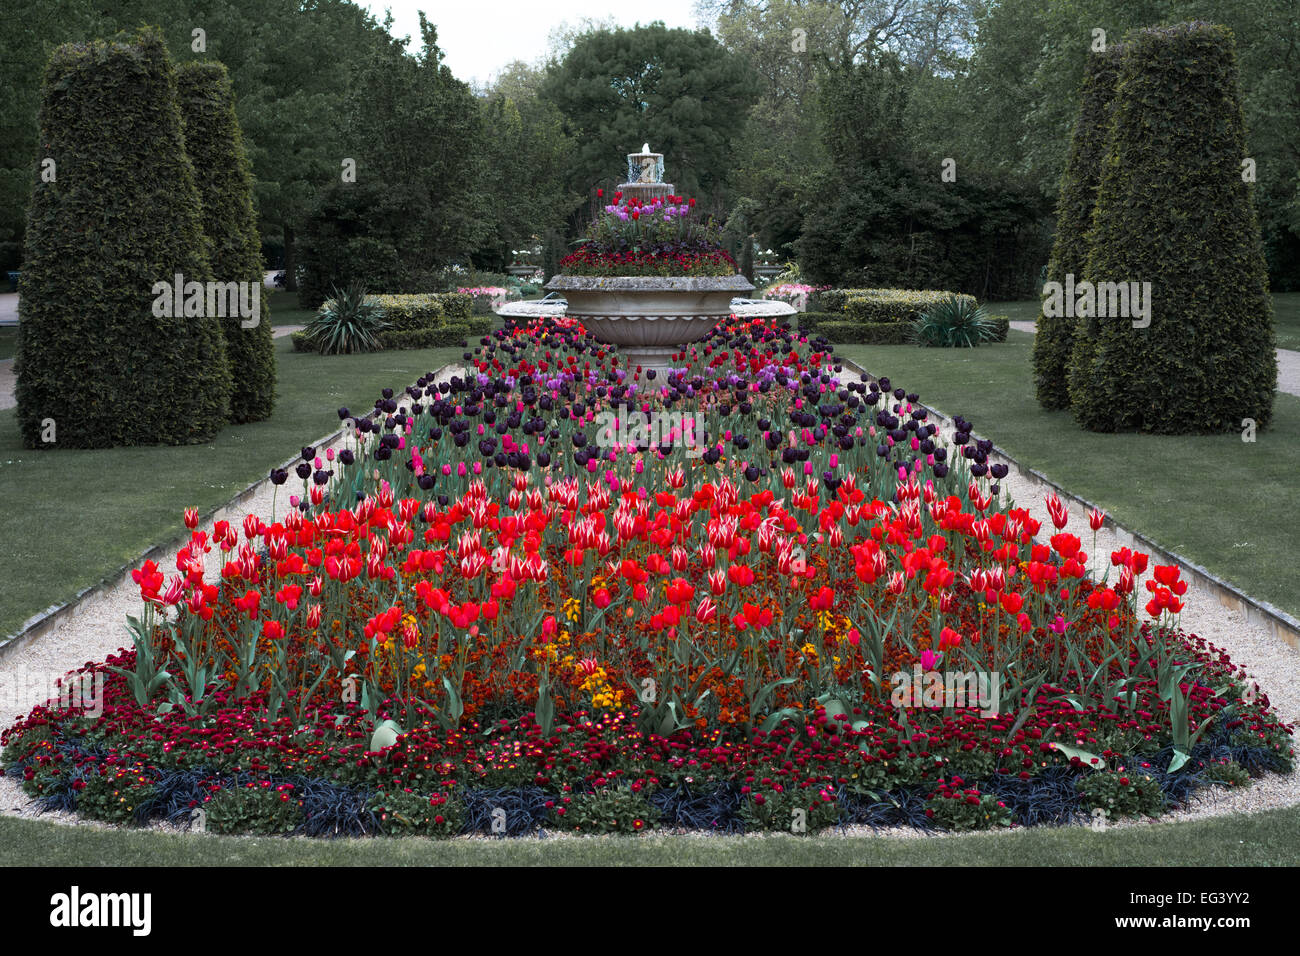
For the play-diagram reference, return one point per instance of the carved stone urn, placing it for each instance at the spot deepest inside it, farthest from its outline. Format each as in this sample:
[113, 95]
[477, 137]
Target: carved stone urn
[650, 318]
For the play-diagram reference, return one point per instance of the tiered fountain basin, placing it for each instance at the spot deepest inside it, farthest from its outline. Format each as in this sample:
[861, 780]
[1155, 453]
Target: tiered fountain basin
[649, 318]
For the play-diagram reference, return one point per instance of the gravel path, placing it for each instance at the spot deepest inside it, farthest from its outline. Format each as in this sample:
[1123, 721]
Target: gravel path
[1288, 362]
[99, 630]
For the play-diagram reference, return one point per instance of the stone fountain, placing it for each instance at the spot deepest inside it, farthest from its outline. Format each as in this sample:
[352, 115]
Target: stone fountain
[649, 318]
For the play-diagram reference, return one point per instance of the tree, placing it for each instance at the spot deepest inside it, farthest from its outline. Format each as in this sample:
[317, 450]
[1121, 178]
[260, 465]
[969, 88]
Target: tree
[416, 204]
[679, 91]
[922, 33]
[215, 146]
[779, 155]
[1017, 111]
[886, 217]
[525, 161]
[1054, 340]
[120, 215]
[1173, 211]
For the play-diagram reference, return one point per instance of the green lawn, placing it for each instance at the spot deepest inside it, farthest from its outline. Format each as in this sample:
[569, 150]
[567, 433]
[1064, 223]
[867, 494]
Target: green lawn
[67, 518]
[8, 341]
[1286, 316]
[1015, 311]
[1214, 499]
[1271, 838]
[285, 311]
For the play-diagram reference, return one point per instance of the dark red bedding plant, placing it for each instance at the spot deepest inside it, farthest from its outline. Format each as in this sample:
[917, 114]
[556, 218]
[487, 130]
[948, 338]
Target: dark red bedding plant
[787, 601]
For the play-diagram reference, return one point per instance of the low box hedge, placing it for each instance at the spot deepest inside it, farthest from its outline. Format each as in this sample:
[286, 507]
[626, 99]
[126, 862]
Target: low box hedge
[839, 328]
[866, 333]
[407, 313]
[809, 321]
[450, 333]
[894, 305]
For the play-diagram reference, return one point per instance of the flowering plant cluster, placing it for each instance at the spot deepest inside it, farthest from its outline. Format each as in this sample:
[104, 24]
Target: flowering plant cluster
[485, 291]
[661, 236]
[795, 293]
[487, 601]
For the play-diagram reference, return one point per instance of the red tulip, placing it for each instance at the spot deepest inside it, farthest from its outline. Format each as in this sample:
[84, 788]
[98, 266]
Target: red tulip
[822, 600]
[680, 592]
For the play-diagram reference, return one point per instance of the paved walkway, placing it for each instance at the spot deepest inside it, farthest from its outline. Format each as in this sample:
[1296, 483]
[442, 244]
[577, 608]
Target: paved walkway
[1288, 363]
[8, 308]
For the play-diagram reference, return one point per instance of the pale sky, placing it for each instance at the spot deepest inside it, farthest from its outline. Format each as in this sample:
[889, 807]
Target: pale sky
[479, 37]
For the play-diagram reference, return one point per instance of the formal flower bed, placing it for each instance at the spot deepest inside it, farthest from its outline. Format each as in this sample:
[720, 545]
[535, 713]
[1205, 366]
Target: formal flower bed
[660, 237]
[553, 595]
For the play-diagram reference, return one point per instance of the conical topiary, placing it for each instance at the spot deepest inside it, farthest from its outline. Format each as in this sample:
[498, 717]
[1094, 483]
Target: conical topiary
[120, 215]
[225, 179]
[1055, 334]
[1173, 210]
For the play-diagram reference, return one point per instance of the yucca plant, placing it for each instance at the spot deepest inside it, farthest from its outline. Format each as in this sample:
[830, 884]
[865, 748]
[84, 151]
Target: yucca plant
[956, 322]
[346, 323]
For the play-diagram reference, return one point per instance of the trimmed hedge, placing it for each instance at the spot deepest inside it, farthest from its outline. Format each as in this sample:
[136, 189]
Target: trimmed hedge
[809, 321]
[1054, 340]
[451, 333]
[122, 215]
[880, 333]
[894, 305]
[866, 333]
[1172, 210]
[878, 305]
[875, 316]
[406, 313]
[216, 148]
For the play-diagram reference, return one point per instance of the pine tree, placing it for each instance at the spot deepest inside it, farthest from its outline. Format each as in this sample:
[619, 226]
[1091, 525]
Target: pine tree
[1054, 340]
[1174, 209]
[119, 215]
[215, 145]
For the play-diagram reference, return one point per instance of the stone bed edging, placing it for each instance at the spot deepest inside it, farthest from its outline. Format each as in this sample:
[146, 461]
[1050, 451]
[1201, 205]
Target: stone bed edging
[45, 621]
[1280, 624]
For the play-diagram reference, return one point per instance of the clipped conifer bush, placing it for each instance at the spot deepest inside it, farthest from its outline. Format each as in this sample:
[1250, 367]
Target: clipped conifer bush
[1054, 340]
[120, 215]
[215, 145]
[1173, 210]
